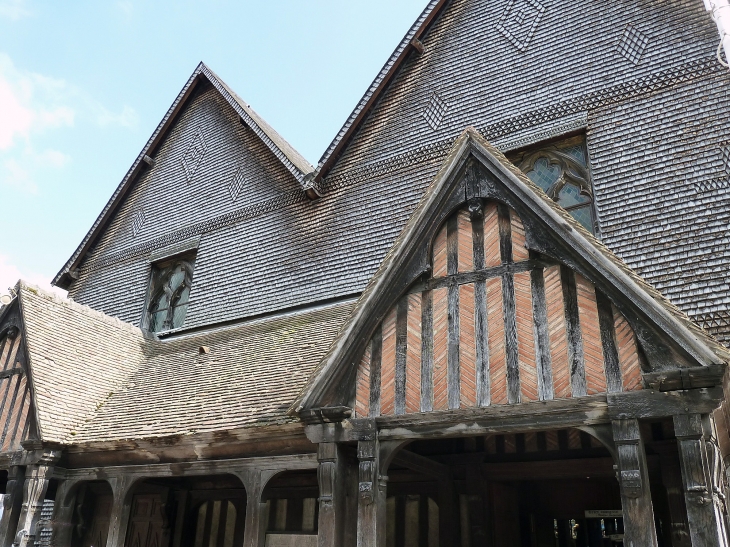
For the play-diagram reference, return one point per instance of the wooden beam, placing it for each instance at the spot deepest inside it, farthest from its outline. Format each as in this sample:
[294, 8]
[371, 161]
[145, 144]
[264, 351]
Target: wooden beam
[686, 378]
[421, 464]
[659, 404]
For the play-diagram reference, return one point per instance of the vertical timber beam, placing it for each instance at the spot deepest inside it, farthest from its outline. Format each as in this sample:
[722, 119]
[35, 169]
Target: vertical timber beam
[373, 458]
[706, 527]
[37, 477]
[121, 509]
[12, 504]
[639, 527]
[63, 514]
[257, 514]
[332, 507]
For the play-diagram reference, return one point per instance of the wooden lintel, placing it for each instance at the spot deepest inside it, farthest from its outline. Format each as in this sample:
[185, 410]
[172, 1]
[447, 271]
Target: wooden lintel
[421, 464]
[659, 404]
[197, 468]
[686, 378]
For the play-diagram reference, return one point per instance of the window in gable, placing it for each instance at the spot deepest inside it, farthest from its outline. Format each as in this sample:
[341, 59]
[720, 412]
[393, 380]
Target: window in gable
[561, 169]
[169, 293]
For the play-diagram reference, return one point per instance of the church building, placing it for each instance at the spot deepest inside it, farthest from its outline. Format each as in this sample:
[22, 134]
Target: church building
[495, 314]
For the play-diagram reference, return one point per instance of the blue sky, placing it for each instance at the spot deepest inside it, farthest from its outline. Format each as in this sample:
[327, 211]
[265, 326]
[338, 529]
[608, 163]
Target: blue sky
[84, 83]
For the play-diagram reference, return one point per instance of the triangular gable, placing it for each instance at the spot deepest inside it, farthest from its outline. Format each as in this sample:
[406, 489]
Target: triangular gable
[286, 154]
[547, 311]
[17, 412]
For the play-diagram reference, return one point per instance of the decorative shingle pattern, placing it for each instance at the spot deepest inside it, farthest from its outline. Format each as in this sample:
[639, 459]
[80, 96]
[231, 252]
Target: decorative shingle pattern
[632, 44]
[435, 111]
[138, 222]
[519, 21]
[194, 155]
[237, 184]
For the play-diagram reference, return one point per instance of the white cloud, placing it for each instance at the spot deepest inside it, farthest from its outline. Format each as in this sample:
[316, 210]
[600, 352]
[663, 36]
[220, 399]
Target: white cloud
[17, 177]
[13, 9]
[10, 274]
[127, 117]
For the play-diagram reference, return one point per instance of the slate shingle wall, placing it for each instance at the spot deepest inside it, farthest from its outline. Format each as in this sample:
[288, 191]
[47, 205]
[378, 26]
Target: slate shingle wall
[644, 73]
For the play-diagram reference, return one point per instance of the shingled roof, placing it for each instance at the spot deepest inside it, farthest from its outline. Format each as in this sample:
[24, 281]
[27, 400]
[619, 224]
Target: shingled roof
[673, 323]
[294, 162]
[96, 378]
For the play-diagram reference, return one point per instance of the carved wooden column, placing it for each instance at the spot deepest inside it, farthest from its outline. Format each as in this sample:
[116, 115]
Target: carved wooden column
[121, 509]
[372, 492]
[706, 525]
[257, 514]
[331, 477]
[63, 514]
[37, 477]
[639, 528]
[12, 504]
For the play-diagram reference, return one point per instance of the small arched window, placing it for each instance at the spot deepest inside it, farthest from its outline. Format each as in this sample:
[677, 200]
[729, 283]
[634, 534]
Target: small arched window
[561, 170]
[170, 294]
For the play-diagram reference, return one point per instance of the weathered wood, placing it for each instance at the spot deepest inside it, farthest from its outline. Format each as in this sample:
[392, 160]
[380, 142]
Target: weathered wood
[427, 352]
[421, 464]
[511, 342]
[35, 486]
[505, 233]
[371, 496]
[121, 509]
[330, 476]
[401, 354]
[467, 278]
[477, 233]
[706, 523]
[481, 325]
[639, 528]
[660, 404]
[12, 503]
[686, 378]
[542, 336]
[575, 339]
[257, 516]
[452, 245]
[182, 498]
[453, 378]
[376, 358]
[532, 416]
[448, 501]
[608, 341]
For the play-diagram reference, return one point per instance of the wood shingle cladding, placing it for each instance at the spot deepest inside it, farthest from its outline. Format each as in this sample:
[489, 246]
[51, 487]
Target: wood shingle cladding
[521, 330]
[15, 396]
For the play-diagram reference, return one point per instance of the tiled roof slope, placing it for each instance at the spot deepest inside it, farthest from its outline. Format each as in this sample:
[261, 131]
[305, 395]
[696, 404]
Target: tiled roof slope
[96, 378]
[250, 377]
[78, 358]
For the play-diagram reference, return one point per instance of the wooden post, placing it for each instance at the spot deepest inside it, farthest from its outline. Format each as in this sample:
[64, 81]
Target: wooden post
[255, 480]
[706, 526]
[449, 524]
[121, 509]
[37, 477]
[331, 477]
[63, 514]
[672, 480]
[372, 492]
[639, 527]
[12, 504]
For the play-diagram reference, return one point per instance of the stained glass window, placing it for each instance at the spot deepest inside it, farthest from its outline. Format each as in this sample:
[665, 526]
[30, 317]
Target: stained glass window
[170, 294]
[560, 168]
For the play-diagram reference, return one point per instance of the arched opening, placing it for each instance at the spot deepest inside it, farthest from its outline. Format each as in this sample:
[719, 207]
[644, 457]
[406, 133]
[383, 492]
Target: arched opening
[205, 511]
[552, 488]
[291, 500]
[91, 514]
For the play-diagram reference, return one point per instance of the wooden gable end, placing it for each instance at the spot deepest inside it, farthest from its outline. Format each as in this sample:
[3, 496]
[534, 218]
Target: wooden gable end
[15, 395]
[494, 324]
